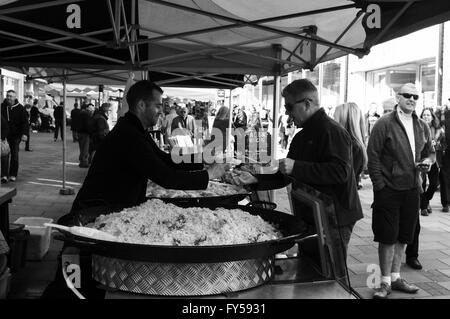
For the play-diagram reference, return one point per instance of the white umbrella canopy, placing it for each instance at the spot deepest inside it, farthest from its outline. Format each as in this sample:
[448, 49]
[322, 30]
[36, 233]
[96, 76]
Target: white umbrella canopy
[248, 48]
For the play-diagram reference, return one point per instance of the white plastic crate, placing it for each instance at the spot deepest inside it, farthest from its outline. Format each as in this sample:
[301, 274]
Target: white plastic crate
[40, 236]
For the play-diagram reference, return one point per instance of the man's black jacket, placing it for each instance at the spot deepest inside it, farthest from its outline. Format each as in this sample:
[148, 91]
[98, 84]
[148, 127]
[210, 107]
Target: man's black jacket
[17, 118]
[124, 162]
[75, 120]
[322, 151]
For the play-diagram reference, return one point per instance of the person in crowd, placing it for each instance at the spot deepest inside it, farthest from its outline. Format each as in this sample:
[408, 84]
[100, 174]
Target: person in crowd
[27, 143]
[168, 122]
[349, 115]
[443, 157]
[437, 134]
[320, 155]
[99, 127]
[134, 157]
[86, 113]
[16, 115]
[59, 117]
[283, 130]
[221, 124]
[412, 250]
[34, 116]
[371, 117]
[400, 147]
[75, 122]
[46, 118]
[184, 121]
[4, 156]
[388, 105]
[240, 121]
[255, 122]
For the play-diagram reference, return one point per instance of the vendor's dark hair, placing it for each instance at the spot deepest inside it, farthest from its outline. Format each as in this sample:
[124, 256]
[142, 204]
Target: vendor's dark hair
[141, 90]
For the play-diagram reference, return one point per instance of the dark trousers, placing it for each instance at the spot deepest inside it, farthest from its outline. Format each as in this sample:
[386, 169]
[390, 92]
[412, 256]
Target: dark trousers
[27, 143]
[412, 250]
[14, 161]
[59, 128]
[75, 136]
[5, 166]
[427, 195]
[444, 178]
[83, 142]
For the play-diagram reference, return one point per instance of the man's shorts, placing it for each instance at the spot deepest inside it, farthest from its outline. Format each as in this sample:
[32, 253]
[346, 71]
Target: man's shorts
[395, 215]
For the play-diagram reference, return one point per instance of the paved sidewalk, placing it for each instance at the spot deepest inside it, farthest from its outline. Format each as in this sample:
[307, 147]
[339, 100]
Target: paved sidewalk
[39, 182]
[434, 250]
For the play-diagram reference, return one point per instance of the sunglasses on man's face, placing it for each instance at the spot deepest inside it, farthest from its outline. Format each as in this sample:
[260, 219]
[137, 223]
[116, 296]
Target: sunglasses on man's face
[289, 106]
[408, 96]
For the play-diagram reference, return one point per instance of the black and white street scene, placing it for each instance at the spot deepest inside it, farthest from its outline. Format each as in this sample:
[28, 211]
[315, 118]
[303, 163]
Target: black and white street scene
[243, 151]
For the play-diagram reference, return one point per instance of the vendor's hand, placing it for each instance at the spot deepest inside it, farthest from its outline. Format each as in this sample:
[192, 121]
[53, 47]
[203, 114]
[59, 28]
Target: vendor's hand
[425, 165]
[218, 170]
[286, 165]
[24, 138]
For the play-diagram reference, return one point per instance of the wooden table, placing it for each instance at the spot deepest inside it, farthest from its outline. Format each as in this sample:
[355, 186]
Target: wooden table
[6, 195]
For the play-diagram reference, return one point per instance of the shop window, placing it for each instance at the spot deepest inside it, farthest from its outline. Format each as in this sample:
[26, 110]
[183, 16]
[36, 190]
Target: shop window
[331, 86]
[428, 79]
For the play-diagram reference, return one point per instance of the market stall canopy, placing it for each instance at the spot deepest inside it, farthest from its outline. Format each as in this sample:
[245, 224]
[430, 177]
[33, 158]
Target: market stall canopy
[202, 39]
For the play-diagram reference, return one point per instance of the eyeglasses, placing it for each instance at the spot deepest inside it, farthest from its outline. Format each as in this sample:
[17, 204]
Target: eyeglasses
[408, 96]
[289, 107]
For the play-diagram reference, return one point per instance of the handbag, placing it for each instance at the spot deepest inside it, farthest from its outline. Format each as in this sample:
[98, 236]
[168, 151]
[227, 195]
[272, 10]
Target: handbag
[5, 150]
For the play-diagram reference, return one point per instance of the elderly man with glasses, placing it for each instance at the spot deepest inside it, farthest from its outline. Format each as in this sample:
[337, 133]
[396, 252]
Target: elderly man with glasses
[320, 155]
[399, 149]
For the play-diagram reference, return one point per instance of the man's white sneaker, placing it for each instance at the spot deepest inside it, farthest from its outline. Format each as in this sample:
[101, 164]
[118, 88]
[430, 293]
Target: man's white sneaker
[12, 178]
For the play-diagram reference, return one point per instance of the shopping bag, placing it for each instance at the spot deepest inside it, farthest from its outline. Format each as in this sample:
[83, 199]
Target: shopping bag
[5, 150]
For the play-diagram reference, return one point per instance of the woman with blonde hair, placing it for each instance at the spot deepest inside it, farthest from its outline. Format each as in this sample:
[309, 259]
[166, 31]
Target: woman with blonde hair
[221, 123]
[349, 115]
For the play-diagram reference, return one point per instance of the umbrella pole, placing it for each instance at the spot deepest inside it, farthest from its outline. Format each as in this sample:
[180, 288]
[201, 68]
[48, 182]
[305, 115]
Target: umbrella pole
[230, 122]
[65, 190]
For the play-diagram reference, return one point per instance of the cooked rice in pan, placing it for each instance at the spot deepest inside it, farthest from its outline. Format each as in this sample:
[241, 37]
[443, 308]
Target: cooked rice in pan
[157, 223]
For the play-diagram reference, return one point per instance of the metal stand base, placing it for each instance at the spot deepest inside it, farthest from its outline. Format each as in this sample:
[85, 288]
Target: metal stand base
[67, 191]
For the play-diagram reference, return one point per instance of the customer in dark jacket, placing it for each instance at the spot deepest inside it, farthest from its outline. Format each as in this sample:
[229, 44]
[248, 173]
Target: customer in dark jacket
[4, 157]
[34, 116]
[16, 115]
[320, 156]
[84, 120]
[399, 142]
[75, 122]
[59, 116]
[99, 126]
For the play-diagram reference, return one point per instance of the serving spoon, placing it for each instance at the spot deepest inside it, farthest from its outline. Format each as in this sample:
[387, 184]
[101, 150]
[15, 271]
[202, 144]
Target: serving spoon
[85, 232]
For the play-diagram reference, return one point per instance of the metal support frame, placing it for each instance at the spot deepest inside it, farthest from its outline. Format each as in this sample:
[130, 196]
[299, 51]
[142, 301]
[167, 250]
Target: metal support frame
[293, 54]
[64, 190]
[23, 46]
[197, 77]
[358, 16]
[116, 32]
[211, 51]
[52, 30]
[252, 24]
[46, 53]
[61, 47]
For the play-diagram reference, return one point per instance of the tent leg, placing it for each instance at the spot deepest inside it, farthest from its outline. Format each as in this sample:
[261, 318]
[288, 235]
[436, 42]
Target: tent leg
[65, 190]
